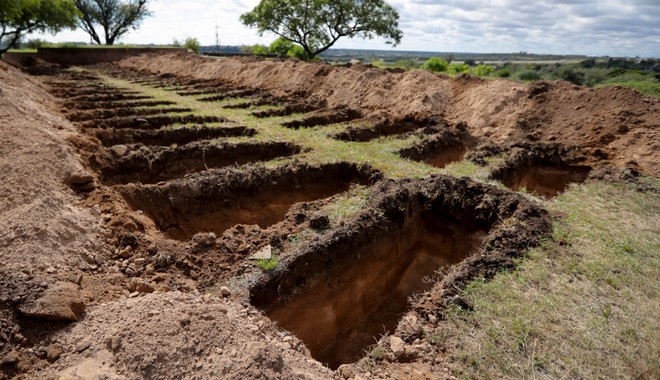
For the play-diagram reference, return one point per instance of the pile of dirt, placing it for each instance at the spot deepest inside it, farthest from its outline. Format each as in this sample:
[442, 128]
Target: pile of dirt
[614, 125]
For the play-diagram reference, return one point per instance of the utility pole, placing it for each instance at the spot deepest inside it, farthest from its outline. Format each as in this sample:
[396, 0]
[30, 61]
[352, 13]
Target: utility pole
[217, 39]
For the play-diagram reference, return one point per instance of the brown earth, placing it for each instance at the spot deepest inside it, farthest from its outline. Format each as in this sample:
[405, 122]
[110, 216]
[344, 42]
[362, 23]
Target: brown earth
[614, 125]
[104, 277]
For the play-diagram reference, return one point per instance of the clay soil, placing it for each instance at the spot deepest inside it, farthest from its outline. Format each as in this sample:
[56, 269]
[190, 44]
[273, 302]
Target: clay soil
[131, 225]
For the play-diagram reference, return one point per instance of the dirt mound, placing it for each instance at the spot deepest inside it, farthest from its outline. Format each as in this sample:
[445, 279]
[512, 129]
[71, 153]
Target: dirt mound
[176, 335]
[614, 125]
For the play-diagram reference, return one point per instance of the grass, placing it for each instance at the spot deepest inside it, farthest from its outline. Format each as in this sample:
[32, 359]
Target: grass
[582, 306]
[268, 264]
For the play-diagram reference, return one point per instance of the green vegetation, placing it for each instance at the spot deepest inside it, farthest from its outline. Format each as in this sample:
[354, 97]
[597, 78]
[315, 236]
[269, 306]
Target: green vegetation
[582, 306]
[435, 64]
[316, 25]
[21, 17]
[190, 43]
[268, 264]
[114, 17]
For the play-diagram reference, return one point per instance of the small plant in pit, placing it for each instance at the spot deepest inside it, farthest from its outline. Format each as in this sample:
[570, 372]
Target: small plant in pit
[268, 264]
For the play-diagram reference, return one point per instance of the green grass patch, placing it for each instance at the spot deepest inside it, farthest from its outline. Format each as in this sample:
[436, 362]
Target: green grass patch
[582, 306]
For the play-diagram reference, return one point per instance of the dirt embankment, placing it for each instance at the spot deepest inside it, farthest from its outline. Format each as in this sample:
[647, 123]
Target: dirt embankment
[613, 125]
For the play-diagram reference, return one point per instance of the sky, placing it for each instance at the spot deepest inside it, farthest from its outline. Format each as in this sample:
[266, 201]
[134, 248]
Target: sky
[588, 27]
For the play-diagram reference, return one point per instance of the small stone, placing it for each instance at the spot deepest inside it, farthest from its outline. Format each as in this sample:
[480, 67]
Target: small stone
[150, 269]
[432, 318]
[53, 352]
[10, 358]
[265, 253]
[82, 346]
[95, 210]
[50, 270]
[346, 370]
[144, 287]
[61, 302]
[126, 252]
[153, 248]
[225, 291]
[79, 178]
[397, 346]
[134, 294]
[119, 150]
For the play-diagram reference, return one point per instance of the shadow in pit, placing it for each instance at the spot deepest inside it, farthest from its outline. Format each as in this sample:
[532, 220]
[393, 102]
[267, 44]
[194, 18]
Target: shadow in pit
[441, 149]
[124, 164]
[167, 137]
[215, 201]
[349, 288]
[544, 170]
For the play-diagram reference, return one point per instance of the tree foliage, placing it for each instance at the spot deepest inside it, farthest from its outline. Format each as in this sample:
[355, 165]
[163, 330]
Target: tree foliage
[435, 64]
[21, 17]
[317, 24]
[114, 17]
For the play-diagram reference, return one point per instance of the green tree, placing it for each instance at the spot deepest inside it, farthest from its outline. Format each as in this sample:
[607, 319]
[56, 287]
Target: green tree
[282, 46]
[458, 68]
[115, 17]
[482, 70]
[21, 17]
[317, 24]
[193, 44]
[435, 64]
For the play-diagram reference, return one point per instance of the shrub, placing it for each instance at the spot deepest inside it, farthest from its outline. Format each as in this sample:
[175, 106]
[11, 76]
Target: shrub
[458, 68]
[502, 73]
[435, 64]
[482, 70]
[193, 44]
[528, 75]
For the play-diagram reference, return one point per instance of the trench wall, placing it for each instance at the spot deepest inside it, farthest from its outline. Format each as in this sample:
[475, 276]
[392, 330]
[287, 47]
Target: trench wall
[82, 56]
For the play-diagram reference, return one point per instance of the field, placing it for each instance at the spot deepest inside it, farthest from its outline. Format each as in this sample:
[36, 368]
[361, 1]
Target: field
[173, 216]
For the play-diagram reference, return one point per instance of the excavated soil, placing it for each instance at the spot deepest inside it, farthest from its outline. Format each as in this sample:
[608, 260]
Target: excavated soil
[167, 137]
[128, 245]
[613, 125]
[216, 201]
[342, 294]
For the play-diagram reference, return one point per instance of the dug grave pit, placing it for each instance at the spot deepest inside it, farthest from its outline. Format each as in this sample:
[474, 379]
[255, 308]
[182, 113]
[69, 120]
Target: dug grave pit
[151, 164]
[216, 200]
[345, 291]
[167, 137]
[324, 117]
[544, 170]
[441, 149]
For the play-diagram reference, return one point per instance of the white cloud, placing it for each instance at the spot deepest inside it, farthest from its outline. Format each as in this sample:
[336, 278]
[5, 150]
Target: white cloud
[594, 27]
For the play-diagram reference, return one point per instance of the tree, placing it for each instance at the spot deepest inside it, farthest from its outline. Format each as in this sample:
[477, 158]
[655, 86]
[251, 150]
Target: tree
[193, 44]
[21, 17]
[435, 64]
[317, 24]
[115, 17]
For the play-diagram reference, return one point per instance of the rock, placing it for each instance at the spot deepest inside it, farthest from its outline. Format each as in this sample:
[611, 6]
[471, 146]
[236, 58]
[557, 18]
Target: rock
[346, 370]
[53, 352]
[61, 302]
[126, 252]
[265, 253]
[225, 291]
[79, 178]
[82, 346]
[10, 358]
[119, 150]
[144, 287]
[397, 346]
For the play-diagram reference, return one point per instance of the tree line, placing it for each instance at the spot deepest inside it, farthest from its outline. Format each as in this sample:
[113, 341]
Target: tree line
[306, 28]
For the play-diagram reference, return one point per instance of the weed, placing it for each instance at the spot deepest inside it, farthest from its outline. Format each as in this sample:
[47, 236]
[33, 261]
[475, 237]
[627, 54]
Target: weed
[268, 264]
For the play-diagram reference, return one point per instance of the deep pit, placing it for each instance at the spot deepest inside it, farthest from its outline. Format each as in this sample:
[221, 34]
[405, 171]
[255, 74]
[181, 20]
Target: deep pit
[151, 164]
[545, 180]
[350, 305]
[215, 201]
[440, 149]
[340, 295]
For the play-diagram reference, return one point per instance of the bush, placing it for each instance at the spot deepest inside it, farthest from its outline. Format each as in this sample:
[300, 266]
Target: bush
[435, 64]
[502, 73]
[482, 70]
[528, 75]
[458, 68]
[193, 44]
[254, 49]
[404, 63]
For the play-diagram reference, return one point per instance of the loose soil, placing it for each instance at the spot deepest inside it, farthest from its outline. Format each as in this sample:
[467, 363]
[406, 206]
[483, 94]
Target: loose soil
[167, 137]
[127, 246]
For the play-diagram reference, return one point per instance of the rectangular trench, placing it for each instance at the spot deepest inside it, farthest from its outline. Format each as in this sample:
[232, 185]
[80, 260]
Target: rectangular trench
[217, 201]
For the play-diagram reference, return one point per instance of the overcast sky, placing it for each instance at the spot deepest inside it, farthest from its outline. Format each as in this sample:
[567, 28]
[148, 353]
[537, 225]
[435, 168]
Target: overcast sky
[591, 27]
